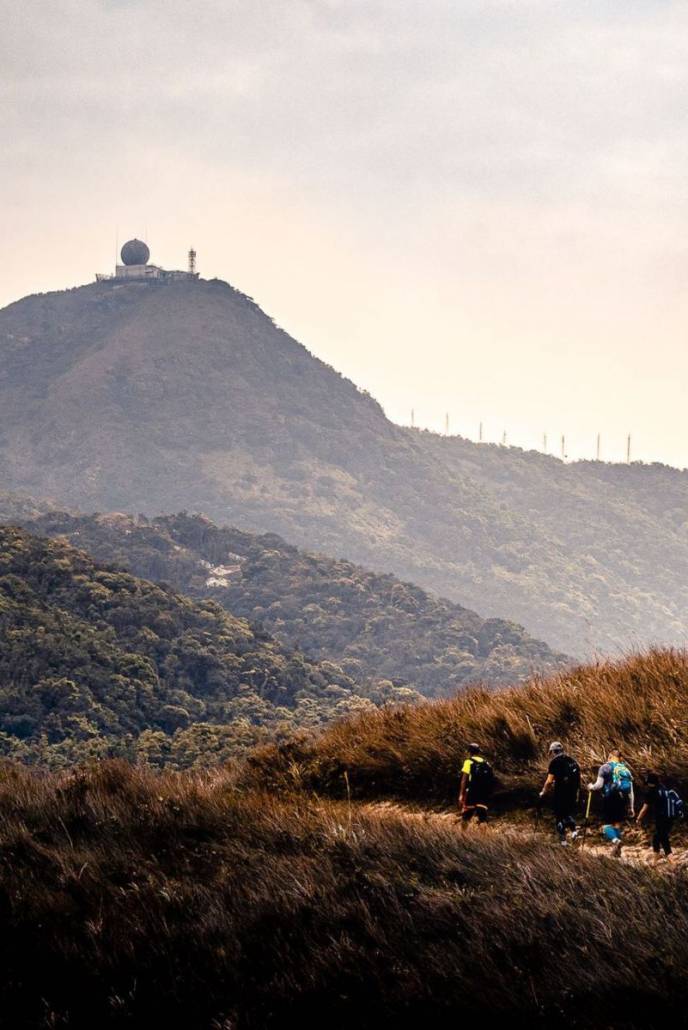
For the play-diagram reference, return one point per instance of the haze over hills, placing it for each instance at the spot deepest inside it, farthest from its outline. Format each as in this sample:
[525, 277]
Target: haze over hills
[154, 398]
[373, 626]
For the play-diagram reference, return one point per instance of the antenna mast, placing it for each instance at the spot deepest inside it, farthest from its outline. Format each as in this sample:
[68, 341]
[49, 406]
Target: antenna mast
[192, 261]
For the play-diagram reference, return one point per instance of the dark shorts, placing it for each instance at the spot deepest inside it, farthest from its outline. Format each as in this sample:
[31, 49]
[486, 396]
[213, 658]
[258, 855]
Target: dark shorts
[478, 810]
[614, 807]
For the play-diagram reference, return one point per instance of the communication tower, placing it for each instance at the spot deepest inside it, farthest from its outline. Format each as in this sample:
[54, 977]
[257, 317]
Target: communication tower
[192, 262]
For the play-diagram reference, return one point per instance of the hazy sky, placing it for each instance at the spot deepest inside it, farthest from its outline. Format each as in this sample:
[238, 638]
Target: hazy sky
[469, 206]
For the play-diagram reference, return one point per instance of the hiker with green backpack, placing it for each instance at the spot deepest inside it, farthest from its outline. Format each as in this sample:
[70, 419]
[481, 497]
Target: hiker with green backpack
[615, 780]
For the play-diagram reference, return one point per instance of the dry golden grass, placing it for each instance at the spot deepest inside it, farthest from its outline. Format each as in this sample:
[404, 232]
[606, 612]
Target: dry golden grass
[135, 900]
[639, 703]
[241, 899]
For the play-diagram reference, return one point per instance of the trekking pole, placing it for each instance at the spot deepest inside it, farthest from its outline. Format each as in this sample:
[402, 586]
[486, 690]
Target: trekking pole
[587, 818]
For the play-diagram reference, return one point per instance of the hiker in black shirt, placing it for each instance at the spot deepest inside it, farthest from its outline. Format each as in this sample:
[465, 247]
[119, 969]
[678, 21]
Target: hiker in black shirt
[563, 773]
[664, 805]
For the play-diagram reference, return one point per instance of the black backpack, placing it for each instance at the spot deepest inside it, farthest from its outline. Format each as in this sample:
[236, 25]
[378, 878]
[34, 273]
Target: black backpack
[569, 781]
[481, 780]
[669, 804]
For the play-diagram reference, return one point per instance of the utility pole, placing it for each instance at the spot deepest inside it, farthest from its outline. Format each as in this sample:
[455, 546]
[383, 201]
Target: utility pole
[446, 424]
[563, 447]
[628, 450]
[413, 418]
[544, 442]
[598, 448]
[480, 433]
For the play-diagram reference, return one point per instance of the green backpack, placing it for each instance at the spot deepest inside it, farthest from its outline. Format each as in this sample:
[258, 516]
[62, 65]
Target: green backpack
[621, 782]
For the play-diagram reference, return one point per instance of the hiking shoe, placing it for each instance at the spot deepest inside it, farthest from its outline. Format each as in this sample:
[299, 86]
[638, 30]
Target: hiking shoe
[616, 847]
[564, 843]
[575, 835]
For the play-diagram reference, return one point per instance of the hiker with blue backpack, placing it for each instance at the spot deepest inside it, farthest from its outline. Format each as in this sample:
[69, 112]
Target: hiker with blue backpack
[666, 806]
[615, 780]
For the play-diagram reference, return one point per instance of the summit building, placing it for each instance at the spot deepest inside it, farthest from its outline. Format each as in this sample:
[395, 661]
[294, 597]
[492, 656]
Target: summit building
[135, 258]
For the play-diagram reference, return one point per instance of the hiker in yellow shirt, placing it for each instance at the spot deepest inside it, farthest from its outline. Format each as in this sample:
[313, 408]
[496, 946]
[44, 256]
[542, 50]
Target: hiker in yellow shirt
[477, 780]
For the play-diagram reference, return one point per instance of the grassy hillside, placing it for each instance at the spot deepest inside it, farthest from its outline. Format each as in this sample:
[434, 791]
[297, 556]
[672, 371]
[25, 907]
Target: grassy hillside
[139, 398]
[94, 661]
[374, 626]
[638, 703]
[130, 900]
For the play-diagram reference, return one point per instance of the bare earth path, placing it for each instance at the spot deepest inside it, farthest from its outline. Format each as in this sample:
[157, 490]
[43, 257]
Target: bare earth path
[636, 850]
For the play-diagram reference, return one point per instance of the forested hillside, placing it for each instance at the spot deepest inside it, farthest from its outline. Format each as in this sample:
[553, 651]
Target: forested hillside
[373, 625]
[187, 397]
[94, 662]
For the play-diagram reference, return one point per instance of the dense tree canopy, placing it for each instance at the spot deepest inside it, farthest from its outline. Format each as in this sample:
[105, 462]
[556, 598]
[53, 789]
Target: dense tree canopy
[95, 661]
[374, 625]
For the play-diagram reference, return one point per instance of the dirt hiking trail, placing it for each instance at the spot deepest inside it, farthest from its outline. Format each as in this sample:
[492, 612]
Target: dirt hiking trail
[636, 850]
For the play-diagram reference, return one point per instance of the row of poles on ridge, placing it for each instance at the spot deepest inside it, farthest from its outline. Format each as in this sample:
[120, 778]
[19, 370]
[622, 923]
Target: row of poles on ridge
[545, 440]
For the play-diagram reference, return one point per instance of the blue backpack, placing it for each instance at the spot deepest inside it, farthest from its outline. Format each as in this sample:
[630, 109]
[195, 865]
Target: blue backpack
[621, 782]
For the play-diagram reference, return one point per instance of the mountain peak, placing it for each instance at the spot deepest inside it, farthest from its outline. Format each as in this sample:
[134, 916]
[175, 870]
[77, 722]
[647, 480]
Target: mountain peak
[164, 396]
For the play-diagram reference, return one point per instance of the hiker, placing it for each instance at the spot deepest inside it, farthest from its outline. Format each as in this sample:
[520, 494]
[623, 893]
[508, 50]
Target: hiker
[615, 780]
[564, 774]
[665, 805]
[476, 786]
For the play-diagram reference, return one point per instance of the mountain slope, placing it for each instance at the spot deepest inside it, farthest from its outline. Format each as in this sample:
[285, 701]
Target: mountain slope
[249, 898]
[94, 661]
[374, 625]
[132, 900]
[187, 396]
